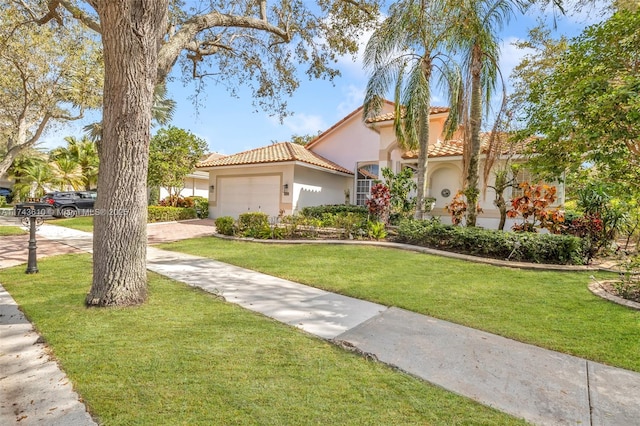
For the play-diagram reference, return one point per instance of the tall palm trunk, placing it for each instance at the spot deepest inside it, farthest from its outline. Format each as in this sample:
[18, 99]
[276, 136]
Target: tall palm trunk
[472, 190]
[423, 144]
[130, 38]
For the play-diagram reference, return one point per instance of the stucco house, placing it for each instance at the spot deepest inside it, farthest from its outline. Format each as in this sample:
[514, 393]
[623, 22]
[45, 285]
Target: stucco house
[196, 183]
[337, 167]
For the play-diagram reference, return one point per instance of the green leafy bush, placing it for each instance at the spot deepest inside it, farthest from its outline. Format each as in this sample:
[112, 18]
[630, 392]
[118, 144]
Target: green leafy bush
[298, 226]
[3, 201]
[527, 247]
[167, 214]
[201, 204]
[376, 230]
[225, 225]
[352, 225]
[254, 225]
[319, 211]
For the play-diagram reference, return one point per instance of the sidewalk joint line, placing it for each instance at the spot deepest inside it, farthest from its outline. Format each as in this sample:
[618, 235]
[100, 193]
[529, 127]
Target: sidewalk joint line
[586, 362]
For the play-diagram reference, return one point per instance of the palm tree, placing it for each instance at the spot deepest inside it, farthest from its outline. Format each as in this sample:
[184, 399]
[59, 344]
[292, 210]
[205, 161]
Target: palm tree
[84, 153]
[66, 173]
[161, 113]
[32, 173]
[475, 36]
[403, 54]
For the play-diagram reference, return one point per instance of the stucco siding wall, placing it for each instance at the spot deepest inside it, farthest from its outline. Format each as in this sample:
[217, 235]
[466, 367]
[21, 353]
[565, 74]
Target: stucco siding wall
[316, 188]
[349, 145]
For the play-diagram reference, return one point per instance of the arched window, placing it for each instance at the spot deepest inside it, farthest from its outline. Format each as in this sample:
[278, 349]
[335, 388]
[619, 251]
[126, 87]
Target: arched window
[367, 173]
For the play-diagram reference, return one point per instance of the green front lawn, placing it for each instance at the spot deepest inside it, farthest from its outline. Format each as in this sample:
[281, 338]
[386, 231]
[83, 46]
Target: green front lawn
[554, 310]
[186, 357]
[12, 230]
[81, 223]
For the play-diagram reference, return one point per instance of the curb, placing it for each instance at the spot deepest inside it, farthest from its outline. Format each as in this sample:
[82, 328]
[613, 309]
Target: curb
[427, 250]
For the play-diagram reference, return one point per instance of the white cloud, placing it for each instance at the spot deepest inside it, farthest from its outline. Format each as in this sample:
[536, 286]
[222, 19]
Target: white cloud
[353, 96]
[511, 56]
[304, 124]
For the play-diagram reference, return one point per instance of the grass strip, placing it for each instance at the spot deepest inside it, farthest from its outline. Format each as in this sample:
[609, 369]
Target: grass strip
[81, 223]
[554, 310]
[8, 231]
[186, 357]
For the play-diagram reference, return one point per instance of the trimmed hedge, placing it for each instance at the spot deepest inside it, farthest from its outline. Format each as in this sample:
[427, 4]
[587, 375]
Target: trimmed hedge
[524, 247]
[225, 225]
[255, 225]
[167, 214]
[319, 212]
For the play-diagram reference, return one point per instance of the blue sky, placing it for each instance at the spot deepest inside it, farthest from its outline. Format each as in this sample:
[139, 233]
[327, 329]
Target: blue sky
[231, 125]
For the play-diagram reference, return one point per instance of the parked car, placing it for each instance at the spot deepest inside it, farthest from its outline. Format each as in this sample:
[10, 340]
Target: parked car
[71, 203]
[6, 193]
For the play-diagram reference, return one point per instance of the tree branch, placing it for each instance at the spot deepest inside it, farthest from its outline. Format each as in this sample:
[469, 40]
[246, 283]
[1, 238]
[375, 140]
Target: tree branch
[170, 51]
[76, 12]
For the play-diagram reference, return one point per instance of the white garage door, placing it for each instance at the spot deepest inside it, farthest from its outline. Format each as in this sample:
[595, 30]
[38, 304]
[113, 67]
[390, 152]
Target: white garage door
[249, 194]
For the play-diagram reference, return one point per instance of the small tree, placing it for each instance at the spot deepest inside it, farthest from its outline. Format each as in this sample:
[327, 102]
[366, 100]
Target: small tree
[173, 155]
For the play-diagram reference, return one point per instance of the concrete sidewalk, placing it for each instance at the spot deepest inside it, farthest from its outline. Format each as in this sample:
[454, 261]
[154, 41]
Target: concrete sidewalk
[541, 386]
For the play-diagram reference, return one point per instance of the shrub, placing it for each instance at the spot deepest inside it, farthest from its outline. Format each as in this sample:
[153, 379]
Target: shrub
[318, 211]
[376, 230]
[401, 185]
[225, 225]
[298, 226]
[379, 202]
[526, 247]
[167, 214]
[3, 201]
[254, 225]
[177, 201]
[352, 225]
[533, 207]
[201, 204]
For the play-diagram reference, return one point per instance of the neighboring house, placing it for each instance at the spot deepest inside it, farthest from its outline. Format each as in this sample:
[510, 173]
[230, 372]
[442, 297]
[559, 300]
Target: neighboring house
[196, 183]
[339, 166]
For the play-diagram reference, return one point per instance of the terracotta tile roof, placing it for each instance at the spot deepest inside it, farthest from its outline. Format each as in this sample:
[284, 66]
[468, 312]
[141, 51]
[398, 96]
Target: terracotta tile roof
[276, 153]
[211, 156]
[455, 147]
[391, 115]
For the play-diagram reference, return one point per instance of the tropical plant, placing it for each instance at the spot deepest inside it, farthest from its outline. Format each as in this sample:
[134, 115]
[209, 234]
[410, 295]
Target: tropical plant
[376, 230]
[403, 55]
[85, 154]
[401, 185]
[533, 207]
[379, 202]
[32, 175]
[476, 37]
[457, 208]
[67, 174]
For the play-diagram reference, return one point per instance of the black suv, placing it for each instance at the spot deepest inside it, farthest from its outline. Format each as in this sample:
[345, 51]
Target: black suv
[6, 193]
[71, 203]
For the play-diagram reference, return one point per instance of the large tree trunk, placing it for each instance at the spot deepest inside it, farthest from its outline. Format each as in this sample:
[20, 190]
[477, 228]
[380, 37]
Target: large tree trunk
[472, 191]
[131, 31]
